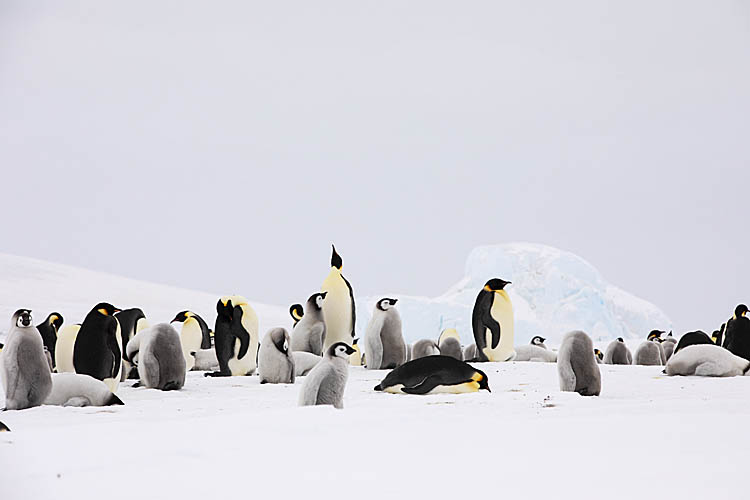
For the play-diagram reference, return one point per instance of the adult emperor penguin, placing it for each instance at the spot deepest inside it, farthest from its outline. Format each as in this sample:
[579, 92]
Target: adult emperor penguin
[384, 342]
[492, 322]
[617, 353]
[706, 360]
[66, 340]
[449, 344]
[26, 377]
[654, 334]
[576, 366]
[296, 311]
[131, 322]
[235, 337]
[98, 347]
[718, 335]
[434, 375]
[697, 337]
[194, 336]
[648, 353]
[275, 361]
[158, 354]
[738, 333]
[49, 328]
[73, 389]
[599, 356]
[310, 333]
[325, 383]
[420, 349]
[304, 362]
[668, 345]
[339, 309]
[356, 358]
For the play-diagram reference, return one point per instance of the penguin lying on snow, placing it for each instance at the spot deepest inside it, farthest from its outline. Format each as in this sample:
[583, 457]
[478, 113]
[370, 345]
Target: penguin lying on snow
[205, 360]
[617, 353]
[434, 375]
[275, 363]
[157, 353]
[535, 351]
[325, 383]
[706, 360]
[577, 367]
[73, 389]
[697, 337]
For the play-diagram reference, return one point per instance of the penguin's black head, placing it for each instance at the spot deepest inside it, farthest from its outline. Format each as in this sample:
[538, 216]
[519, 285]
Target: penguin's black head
[317, 299]
[740, 311]
[496, 284]
[340, 350]
[224, 308]
[481, 377]
[619, 339]
[537, 340]
[336, 259]
[106, 309]
[599, 354]
[655, 334]
[386, 303]
[55, 320]
[22, 318]
[296, 311]
[182, 316]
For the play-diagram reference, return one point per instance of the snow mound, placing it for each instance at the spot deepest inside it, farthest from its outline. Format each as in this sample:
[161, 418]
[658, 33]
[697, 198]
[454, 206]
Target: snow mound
[553, 292]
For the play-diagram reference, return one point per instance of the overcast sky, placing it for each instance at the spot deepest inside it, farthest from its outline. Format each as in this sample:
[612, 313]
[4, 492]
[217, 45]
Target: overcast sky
[223, 146]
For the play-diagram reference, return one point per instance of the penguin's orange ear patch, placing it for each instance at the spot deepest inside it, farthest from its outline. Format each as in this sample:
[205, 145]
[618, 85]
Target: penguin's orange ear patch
[103, 311]
[477, 377]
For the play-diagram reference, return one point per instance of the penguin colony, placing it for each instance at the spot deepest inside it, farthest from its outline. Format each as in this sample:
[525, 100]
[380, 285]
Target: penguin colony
[82, 364]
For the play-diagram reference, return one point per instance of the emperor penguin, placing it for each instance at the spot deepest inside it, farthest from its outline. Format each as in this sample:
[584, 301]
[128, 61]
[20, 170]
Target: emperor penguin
[66, 340]
[275, 361]
[384, 341]
[98, 347]
[697, 337]
[492, 322]
[449, 344]
[576, 366]
[310, 333]
[718, 335]
[470, 352]
[738, 333]
[235, 337]
[599, 356]
[648, 354]
[131, 322]
[157, 352]
[669, 344]
[617, 353]
[356, 358]
[49, 328]
[304, 362]
[325, 383]
[654, 334]
[296, 311]
[73, 389]
[420, 349]
[339, 310]
[194, 336]
[434, 375]
[26, 377]
[4, 428]
[706, 360]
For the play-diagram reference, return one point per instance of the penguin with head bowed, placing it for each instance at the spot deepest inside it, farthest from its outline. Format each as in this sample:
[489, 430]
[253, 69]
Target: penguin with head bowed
[157, 352]
[384, 341]
[131, 322]
[4, 428]
[599, 355]
[470, 352]
[235, 337]
[697, 337]
[73, 389]
[275, 360]
[339, 310]
[25, 373]
[617, 353]
[648, 353]
[450, 344]
[194, 336]
[98, 346]
[310, 333]
[304, 362]
[296, 312]
[48, 329]
[422, 348]
[738, 333]
[576, 366]
[706, 360]
[325, 383]
[434, 375]
[492, 322]
[66, 340]
[205, 360]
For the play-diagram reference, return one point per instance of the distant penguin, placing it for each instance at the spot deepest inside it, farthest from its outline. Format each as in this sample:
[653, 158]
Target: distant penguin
[449, 344]
[131, 322]
[73, 389]
[25, 374]
[275, 360]
[157, 353]
[4, 428]
[235, 337]
[654, 334]
[304, 362]
[492, 322]
[668, 345]
[66, 340]
[706, 360]
[296, 311]
[576, 366]
[356, 358]
[97, 351]
[617, 353]
[423, 348]
[339, 309]
[738, 333]
[194, 336]
[692, 338]
[325, 383]
[48, 329]
[599, 356]
[205, 360]
[648, 353]
[718, 335]
[384, 341]
[434, 375]
[533, 352]
[470, 352]
[309, 334]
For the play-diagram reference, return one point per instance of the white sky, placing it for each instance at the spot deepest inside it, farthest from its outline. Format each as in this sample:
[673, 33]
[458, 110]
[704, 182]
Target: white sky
[223, 146]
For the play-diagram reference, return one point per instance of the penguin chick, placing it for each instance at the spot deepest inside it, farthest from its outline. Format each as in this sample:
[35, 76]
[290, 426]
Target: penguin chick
[205, 360]
[423, 348]
[706, 360]
[304, 362]
[535, 353]
[648, 354]
[450, 346]
[384, 342]
[538, 341]
[325, 383]
[310, 333]
[275, 363]
[158, 354]
[576, 367]
[470, 352]
[73, 389]
[617, 353]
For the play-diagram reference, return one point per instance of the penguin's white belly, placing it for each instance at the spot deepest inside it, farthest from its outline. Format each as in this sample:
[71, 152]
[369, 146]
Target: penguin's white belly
[502, 312]
[441, 389]
[191, 338]
[113, 383]
[66, 341]
[337, 310]
[246, 365]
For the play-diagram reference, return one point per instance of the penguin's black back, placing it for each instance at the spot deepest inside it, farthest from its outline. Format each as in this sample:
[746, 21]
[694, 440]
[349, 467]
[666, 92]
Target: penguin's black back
[738, 337]
[128, 320]
[481, 310]
[205, 332]
[450, 371]
[96, 352]
[49, 336]
[693, 338]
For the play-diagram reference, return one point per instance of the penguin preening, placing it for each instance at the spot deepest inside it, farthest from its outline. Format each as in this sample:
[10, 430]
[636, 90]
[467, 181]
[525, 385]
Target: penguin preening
[48, 329]
[235, 337]
[131, 322]
[275, 360]
[194, 336]
[706, 360]
[325, 383]
[434, 375]
[98, 346]
[738, 333]
[617, 353]
[384, 341]
[339, 309]
[576, 366]
[66, 340]
[310, 333]
[449, 344]
[492, 322]
[157, 352]
[74, 389]
[296, 311]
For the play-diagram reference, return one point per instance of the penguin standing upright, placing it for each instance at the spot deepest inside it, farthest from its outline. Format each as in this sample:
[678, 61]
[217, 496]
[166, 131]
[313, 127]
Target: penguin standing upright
[310, 333]
[325, 384]
[98, 347]
[66, 340]
[49, 329]
[648, 353]
[235, 337]
[617, 353]
[339, 310]
[356, 358]
[738, 333]
[131, 322]
[194, 335]
[492, 322]
[449, 344]
[384, 342]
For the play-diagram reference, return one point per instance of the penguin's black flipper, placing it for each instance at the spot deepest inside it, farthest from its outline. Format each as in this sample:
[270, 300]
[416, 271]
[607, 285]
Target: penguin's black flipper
[494, 328]
[239, 331]
[424, 386]
[354, 307]
[114, 347]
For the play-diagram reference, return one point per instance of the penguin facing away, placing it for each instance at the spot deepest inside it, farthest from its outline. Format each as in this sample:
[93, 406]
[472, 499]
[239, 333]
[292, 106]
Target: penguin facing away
[384, 342]
[648, 353]
[668, 346]
[325, 383]
[131, 322]
[73, 389]
[692, 338]
[738, 333]
[310, 333]
[48, 329]
[157, 353]
[422, 348]
[275, 361]
[434, 375]
[339, 309]
[235, 337]
[449, 344]
[706, 360]
[617, 353]
[577, 368]
[66, 339]
[492, 322]
[470, 352]
[296, 312]
[23, 368]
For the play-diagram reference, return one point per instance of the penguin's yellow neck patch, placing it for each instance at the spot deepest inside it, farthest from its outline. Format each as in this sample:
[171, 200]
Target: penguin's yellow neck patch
[487, 288]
